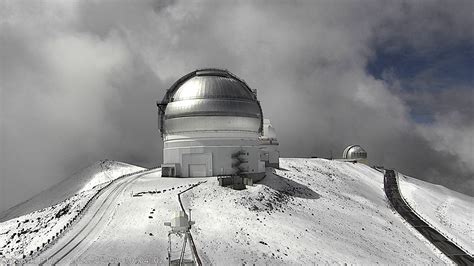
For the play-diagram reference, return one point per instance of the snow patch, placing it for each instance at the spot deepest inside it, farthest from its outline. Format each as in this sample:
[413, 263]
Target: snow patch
[450, 212]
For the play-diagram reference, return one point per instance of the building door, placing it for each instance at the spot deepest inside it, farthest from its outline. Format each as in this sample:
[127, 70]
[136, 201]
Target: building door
[197, 164]
[196, 170]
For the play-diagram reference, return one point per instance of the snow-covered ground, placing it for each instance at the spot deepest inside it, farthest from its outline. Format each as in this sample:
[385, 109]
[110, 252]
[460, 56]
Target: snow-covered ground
[452, 213]
[30, 232]
[135, 232]
[309, 211]
[86, 179]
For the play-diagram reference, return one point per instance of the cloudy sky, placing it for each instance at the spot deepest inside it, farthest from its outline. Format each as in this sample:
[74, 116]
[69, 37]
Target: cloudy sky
[79, 80]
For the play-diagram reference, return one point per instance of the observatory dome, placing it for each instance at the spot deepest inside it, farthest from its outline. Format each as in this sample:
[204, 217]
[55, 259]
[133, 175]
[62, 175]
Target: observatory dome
[210, 100]
[211, 121]
[354, 152]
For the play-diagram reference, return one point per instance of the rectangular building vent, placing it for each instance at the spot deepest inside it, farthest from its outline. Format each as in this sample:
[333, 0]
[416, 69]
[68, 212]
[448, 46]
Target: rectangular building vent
[168, 171]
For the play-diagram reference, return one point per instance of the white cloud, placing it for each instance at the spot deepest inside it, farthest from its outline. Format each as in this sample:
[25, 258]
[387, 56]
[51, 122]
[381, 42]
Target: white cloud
[81, 79]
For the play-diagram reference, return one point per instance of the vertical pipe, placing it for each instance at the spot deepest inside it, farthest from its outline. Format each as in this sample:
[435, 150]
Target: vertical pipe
[169, 248]
[183, 250]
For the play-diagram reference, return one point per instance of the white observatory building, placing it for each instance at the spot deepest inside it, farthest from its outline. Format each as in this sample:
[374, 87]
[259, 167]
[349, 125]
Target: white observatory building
[354, 153]
[269, 145]
[211, 123]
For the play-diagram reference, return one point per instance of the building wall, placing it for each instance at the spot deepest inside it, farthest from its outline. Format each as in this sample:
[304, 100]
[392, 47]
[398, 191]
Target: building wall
[211, 154]
[271, 155]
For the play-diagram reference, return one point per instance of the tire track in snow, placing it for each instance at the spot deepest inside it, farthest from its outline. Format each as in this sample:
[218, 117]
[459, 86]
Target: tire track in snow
[111, 202]
[71, 244]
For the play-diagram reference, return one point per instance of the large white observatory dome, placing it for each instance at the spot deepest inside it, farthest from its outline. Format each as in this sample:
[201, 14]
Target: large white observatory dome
[206, 118]
[209, 100]
[354, 152]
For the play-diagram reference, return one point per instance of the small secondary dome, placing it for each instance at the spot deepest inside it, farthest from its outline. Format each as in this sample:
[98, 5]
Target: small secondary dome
[269, 145]
[354, 152]
[268, 130]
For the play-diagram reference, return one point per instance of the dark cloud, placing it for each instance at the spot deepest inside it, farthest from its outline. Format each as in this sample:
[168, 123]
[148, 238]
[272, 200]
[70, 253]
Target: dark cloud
[79, 81]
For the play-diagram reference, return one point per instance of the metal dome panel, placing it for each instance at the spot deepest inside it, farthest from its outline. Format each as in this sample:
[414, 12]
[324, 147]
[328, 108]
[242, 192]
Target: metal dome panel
[209, 93]
[205, 87]
[212, 107]
[211, 124]
[354, 152]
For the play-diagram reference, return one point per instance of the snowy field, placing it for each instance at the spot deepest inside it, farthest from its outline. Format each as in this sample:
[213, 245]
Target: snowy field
[86, 179]
[21, 236]
[135, 232]
[452, 213]
[309, 211]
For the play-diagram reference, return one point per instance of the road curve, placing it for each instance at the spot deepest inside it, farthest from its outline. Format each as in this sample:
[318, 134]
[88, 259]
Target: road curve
[76, 240]
[450, 249]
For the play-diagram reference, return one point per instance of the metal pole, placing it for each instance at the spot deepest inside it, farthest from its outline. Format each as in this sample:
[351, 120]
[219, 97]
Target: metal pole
[192, 253]
[169, 249]
[184, 249]
[190, 218]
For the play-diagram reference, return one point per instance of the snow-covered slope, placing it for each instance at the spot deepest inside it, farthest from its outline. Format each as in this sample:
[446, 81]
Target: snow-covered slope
[29, 232]
[309, 211]
[452, 213]
[312, 211]
[98, 173]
